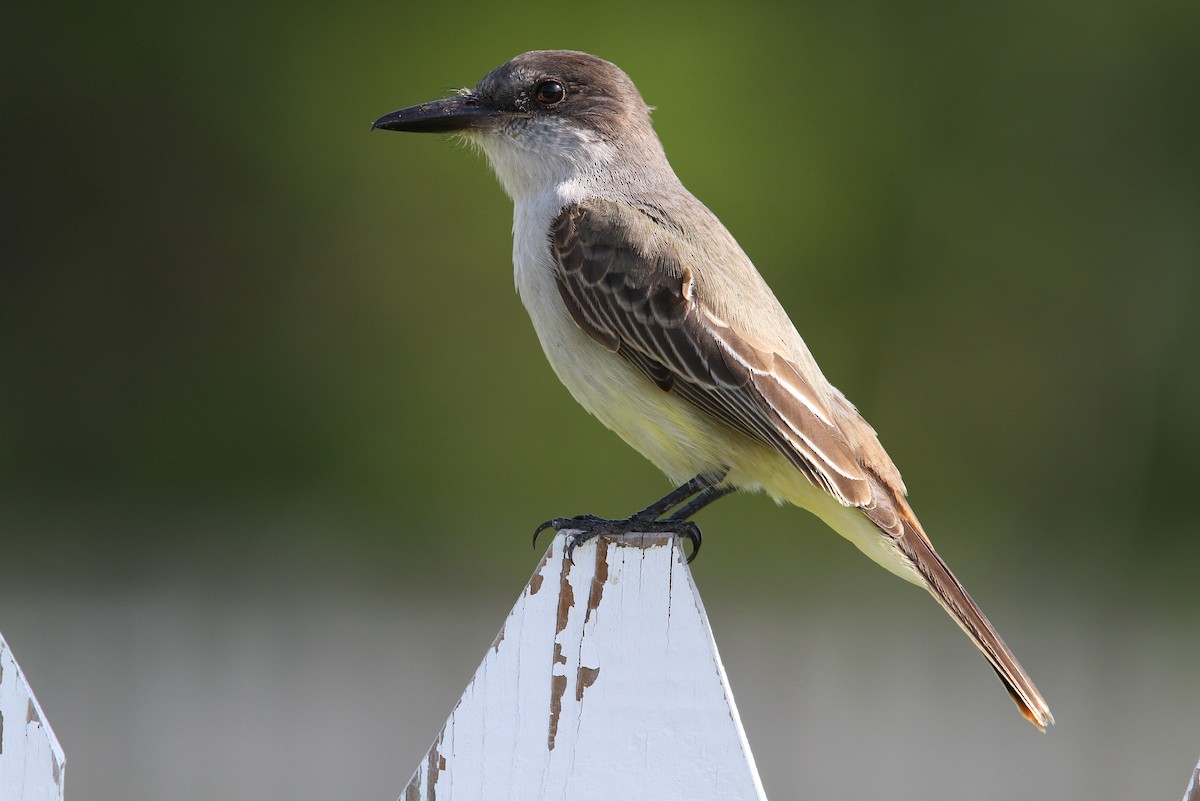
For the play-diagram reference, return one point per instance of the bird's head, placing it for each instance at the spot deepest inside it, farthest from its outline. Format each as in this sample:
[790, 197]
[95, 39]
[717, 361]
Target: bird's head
[544, 116]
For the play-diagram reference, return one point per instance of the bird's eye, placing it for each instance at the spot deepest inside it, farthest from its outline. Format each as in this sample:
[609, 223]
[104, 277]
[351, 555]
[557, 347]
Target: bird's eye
[549, 93]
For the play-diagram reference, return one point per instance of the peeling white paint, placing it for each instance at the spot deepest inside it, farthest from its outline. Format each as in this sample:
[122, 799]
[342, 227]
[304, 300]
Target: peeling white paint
[605, 683]
[1193, 789]
[31, 761]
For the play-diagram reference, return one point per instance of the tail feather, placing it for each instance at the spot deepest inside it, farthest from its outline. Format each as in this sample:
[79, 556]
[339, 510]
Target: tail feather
[942, 584]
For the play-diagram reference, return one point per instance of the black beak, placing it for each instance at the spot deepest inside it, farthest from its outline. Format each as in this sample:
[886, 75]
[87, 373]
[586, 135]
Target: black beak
[452, 114]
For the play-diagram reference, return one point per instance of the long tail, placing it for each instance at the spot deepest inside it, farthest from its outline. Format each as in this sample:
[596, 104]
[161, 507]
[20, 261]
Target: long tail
[913, 543]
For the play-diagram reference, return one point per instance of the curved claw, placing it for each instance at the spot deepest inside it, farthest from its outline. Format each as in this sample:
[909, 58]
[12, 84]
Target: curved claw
[692, 532]
[577, 540]
[581, 522]
[548, 524]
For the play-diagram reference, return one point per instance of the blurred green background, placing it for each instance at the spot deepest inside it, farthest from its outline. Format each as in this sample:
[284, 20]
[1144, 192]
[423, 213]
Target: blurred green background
[259, 359]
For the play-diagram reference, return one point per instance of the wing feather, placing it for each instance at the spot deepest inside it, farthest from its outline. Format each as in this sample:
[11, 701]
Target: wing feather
[641, 306]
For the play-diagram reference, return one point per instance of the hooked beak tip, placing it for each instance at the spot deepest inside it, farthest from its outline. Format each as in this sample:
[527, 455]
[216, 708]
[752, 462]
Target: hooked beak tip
[440, 116]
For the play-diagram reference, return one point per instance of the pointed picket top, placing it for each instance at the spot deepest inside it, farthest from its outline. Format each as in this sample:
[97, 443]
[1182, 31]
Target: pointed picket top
[1192, 793]
[31, 760]
[604, 682]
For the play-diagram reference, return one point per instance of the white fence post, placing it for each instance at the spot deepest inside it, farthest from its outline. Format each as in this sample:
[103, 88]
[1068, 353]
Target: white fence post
[31, 760]
[1192, 793]
[604, 683]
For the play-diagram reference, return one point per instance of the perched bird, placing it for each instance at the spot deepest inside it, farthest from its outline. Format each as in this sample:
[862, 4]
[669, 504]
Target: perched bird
[659, 325]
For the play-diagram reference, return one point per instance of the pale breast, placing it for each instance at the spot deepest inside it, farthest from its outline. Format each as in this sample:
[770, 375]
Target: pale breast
[669, 432]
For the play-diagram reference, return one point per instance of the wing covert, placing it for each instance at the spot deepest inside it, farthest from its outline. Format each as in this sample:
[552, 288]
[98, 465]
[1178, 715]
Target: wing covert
[626, 282]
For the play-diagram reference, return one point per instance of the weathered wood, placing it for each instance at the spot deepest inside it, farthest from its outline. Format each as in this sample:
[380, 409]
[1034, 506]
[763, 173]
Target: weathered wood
[604, 682]
[31, 760]
[1192, 793]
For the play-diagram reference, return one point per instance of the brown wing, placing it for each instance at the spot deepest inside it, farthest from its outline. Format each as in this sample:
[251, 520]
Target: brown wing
[641, 305]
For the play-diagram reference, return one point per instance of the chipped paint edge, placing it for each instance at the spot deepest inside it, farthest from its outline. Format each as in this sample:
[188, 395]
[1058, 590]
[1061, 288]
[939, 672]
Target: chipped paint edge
[33, 715]
[1192, 793]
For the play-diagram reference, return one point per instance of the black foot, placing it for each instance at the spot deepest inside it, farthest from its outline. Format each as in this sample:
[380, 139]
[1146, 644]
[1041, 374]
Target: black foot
[690, 497]
[590, 526]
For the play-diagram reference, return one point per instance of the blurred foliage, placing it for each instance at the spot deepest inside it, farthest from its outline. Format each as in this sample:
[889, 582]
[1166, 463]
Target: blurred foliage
[238, 327]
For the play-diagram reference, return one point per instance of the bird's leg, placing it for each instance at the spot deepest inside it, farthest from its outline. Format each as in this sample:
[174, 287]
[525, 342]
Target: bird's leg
[697, 503]
[697, 493]
[695, 486]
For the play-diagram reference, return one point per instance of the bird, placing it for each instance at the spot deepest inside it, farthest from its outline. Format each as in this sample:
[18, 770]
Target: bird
[659, 325]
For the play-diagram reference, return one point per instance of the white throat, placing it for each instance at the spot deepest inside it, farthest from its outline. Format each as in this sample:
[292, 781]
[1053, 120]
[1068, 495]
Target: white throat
[535, 157]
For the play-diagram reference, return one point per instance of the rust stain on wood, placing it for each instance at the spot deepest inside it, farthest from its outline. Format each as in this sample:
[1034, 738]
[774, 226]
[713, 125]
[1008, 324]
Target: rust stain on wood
[584, 677]
[642, 541]
[558, 686]
[535, 583]
[435, 765]
[596, 593]
[566, 597]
